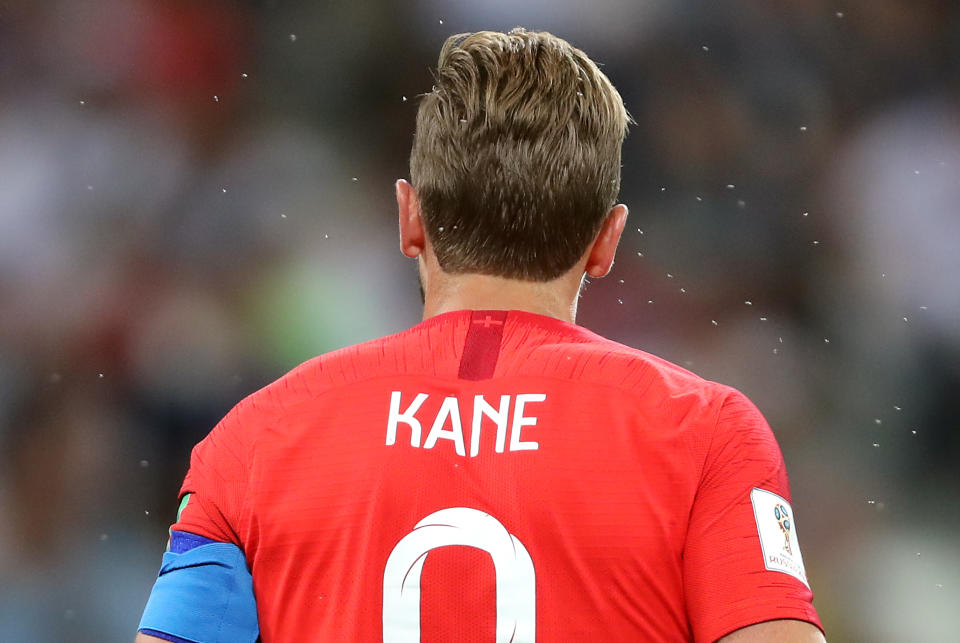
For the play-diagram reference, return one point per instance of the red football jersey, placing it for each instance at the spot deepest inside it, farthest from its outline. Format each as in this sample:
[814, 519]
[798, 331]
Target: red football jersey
[495, 476]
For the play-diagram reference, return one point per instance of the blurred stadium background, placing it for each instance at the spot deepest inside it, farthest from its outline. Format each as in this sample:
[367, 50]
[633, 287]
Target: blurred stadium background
[196, 196]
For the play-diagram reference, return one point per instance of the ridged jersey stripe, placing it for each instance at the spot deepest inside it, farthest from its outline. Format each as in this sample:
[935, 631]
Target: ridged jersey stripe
[482, 345]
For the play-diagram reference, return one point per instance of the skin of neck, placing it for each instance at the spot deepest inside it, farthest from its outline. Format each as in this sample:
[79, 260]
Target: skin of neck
[447, 292]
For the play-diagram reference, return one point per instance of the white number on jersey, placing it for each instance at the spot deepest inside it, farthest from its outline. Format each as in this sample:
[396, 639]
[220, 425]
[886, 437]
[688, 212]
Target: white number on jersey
[515, 576]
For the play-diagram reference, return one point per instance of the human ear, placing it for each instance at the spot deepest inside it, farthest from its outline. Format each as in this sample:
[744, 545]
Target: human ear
[600, 260]
[412, 238]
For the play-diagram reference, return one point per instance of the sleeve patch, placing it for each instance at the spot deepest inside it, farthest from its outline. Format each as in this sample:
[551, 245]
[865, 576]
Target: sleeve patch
[778, 534]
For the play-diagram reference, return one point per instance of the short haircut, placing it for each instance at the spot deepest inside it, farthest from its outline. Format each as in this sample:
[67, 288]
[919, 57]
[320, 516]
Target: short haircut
[516, 155]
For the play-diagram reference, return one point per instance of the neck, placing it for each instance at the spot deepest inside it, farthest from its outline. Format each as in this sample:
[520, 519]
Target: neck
[556, 298]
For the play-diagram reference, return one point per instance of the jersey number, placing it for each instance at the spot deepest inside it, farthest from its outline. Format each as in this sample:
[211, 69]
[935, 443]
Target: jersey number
[515, 577]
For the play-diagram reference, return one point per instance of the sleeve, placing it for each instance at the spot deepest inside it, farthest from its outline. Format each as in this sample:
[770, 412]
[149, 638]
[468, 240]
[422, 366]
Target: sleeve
[742, 562]
[214, 493]
[204, 591]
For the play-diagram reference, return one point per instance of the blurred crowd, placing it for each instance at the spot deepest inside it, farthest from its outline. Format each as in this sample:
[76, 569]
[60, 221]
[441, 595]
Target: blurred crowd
[197, 196]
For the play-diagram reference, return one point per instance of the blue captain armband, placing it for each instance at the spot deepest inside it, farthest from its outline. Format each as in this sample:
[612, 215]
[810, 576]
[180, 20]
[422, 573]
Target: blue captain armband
[204, 594]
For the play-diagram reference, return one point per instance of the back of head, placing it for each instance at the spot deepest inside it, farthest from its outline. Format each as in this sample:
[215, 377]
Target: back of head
[516, 156]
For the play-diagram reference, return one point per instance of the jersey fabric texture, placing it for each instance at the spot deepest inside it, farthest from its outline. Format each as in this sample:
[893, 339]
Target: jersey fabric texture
[492, 475]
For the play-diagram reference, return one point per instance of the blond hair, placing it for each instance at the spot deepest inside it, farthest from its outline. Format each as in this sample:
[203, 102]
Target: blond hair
[516, 155]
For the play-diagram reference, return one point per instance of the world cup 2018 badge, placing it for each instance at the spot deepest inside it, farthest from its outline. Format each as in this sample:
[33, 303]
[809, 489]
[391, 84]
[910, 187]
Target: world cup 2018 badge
[783, 519]
[777, 530]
